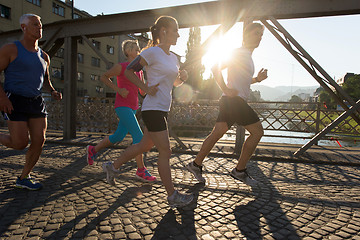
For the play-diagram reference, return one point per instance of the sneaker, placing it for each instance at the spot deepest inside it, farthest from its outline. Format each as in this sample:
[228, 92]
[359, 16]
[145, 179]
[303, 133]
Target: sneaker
[90, 154]
[197, 171]
[144, 175]
[179, 199]
[28, 183]
[243, 176]
[110, 173]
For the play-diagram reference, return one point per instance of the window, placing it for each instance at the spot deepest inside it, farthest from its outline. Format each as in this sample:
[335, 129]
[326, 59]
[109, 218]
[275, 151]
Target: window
[99, 89]
[94, 77]
[111, 64]
[35, 2]
[80, 58]
[96, 44]
[110, 49]
[57, 73]
[60, 53]
[76, 16]
[95, 62]
[80, 76]
[110, 95]
[80, 41]
[81, 92]
[59, 10]
[5, 12]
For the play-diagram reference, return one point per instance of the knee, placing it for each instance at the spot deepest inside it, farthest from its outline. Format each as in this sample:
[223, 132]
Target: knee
[20, 144]
[258, 133]
[216, 135]
[38, 142]
[143, 146]
[166, 153]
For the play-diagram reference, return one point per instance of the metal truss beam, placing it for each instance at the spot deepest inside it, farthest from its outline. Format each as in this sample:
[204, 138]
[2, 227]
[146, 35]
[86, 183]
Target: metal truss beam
[314, 69]
[96, 51]
[200, 14]
[328, 128]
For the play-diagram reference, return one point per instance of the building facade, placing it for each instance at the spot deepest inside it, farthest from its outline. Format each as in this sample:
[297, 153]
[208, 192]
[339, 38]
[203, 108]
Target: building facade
[90, 65]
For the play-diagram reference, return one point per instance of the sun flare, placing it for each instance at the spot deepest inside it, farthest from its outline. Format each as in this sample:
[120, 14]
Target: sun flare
[220, 50]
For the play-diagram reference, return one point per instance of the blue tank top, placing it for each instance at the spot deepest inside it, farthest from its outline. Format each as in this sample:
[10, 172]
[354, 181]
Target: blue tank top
[25, 75]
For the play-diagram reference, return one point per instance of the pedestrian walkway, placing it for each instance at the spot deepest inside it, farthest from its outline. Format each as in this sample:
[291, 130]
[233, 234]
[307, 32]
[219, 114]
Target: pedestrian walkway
[315, 197]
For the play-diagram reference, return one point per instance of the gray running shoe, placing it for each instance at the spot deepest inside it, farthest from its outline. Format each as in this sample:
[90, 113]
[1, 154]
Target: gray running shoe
[197, 171]
[179, 199]
[244, 177]
[110, 173]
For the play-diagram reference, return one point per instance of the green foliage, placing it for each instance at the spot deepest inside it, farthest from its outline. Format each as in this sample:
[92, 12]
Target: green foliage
[295, 98]
[193, 59]
[255, 96]
[209, 89]
[327, 100]
[352, 87]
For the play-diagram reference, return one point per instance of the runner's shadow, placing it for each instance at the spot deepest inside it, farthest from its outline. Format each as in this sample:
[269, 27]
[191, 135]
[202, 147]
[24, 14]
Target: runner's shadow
[126, 197]
[264, 213]
[179, 224]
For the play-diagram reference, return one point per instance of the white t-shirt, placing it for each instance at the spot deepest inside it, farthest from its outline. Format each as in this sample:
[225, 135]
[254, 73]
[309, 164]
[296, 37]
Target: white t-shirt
[162, 69]
[240, 72]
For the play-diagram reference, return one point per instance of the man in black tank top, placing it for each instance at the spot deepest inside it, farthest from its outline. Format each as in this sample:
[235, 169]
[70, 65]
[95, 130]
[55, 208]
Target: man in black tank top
[24, 109]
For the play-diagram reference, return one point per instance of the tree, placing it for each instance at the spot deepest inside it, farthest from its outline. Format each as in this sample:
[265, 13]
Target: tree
[327, 100]
[209, 89]
[193, 59]
[255, 96]
[295, 98]
[352, 87]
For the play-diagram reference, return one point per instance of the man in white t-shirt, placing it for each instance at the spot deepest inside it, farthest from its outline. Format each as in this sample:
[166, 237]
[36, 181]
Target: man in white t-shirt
[234, 107]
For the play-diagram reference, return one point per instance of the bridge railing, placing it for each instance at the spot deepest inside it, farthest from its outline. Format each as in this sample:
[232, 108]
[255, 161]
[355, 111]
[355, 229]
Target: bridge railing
[197, 119]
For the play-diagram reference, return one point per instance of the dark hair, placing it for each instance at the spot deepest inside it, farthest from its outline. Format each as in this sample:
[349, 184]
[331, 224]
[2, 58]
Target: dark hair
[163, 21]
[251, 27]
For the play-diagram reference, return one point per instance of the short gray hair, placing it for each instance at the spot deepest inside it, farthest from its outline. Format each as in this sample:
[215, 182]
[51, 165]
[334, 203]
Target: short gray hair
[128, 44]
[24, 19]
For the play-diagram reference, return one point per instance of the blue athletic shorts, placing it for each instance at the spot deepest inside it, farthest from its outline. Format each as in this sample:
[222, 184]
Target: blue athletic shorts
[25, 108]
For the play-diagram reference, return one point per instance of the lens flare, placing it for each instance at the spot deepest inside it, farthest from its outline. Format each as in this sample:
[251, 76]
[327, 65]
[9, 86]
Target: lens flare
[184, 93]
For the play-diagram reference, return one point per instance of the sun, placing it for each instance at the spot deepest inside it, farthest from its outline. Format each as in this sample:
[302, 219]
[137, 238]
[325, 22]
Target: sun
[220, 51]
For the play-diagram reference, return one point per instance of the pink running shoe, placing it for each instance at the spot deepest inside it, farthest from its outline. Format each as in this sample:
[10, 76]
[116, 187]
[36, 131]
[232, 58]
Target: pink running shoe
[91, 154]
[144, 175]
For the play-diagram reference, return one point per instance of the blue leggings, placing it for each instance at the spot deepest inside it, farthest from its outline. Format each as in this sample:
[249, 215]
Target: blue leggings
[127, 124]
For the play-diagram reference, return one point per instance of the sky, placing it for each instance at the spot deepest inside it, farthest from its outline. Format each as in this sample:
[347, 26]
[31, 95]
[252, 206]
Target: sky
[332, 41]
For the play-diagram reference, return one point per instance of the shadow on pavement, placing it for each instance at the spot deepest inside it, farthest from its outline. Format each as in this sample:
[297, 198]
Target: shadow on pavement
[180, 225]
[127, 196]
[264, 215]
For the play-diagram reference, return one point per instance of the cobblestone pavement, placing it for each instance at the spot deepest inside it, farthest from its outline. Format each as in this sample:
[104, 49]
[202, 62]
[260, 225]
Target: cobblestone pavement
[292, 200]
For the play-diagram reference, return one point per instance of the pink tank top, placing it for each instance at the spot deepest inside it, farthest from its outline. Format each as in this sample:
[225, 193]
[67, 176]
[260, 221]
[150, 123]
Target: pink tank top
[131, 100]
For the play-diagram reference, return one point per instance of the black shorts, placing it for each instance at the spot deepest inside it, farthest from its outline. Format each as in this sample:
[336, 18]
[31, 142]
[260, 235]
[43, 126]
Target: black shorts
[155, 121]
[25, 108]
[236, 110]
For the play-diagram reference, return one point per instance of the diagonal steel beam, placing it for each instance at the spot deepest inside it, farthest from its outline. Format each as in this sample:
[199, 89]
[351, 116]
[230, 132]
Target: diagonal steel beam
[309, 64]
[326, 76]
[55, 47]
[51, 40]
[328, 128]
[96, 51]
[313, 68]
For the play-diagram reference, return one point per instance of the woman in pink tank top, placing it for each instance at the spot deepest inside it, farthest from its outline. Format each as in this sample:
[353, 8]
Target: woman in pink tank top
[126, 104]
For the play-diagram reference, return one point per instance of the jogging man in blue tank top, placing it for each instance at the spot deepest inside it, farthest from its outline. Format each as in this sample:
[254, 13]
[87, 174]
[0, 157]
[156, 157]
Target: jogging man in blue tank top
[26, 69]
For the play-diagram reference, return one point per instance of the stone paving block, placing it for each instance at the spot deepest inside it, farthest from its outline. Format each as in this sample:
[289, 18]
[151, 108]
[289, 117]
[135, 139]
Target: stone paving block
[316, 202]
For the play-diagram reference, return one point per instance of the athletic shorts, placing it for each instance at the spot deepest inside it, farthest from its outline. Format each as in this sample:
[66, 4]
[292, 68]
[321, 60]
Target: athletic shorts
[236, 110]
[25, 108]
[155, 121]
